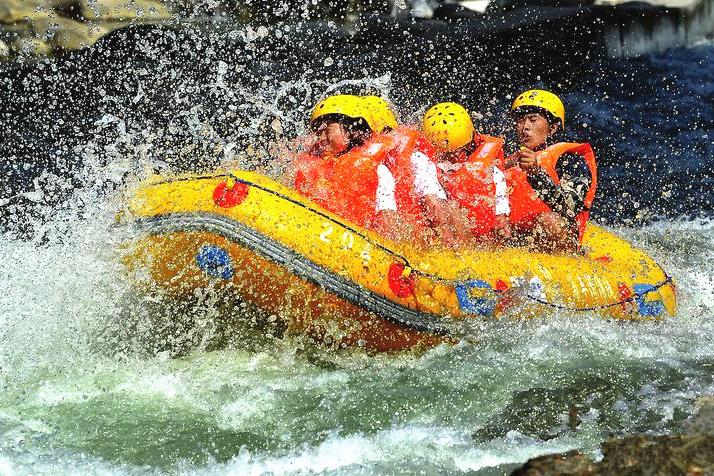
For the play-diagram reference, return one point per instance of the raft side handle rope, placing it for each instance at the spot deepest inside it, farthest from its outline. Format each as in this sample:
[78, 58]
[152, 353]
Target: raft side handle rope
[633, 298]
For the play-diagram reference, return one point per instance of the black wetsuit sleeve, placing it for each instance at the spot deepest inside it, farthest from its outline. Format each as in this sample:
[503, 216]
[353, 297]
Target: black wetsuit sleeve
[568, 197]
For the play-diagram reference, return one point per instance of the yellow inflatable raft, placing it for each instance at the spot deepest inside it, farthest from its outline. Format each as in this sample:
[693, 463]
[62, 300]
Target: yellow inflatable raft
[261, 242]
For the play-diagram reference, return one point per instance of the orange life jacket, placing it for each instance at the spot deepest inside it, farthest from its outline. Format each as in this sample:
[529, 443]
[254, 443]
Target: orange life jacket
[345, 185]
[524, 201]
[407, 140]
[471, 183]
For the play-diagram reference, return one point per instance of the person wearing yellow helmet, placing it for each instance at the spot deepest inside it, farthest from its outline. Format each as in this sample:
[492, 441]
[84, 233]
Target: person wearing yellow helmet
[349, 168]
[340, 123]
[342, 170]
[469, 167]
[412, 180]
[554, 183]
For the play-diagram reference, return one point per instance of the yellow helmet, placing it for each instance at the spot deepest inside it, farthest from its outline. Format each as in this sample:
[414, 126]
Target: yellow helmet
[343, 104]
[382, 114]
[448, 125]
[542, 99]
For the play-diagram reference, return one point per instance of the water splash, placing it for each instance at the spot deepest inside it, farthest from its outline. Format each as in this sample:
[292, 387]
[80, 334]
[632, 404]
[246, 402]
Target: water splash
[81, 392]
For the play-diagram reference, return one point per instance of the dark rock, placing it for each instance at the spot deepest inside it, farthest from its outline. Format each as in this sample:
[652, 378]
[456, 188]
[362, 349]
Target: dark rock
[454, 11]
[688, 454]
[508, 5]
[537, 412]
[703, 421]
[634, 455]
[572, 462]
[658, 455]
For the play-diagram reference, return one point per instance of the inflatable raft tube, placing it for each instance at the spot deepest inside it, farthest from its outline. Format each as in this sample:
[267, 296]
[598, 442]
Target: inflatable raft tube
[260, 242]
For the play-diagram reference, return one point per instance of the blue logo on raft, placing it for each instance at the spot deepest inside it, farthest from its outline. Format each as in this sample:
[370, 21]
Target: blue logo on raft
[476, 297]
[648, 303]
[215, 262]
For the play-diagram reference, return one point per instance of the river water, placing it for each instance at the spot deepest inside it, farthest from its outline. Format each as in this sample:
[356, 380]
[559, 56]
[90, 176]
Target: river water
[80, 393]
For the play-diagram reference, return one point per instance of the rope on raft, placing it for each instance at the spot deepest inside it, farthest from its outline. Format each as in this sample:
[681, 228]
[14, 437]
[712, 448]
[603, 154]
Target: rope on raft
[633, 298]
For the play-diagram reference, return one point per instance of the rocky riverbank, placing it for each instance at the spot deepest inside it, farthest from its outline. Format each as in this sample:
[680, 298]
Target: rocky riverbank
[691, 453]
[41, 28]
[37, 28]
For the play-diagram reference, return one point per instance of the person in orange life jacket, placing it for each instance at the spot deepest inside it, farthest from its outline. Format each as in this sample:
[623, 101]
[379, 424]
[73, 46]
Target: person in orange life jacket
[550, 207]
[345, 170]
[409, 177]
[471, 172]
[341, 128]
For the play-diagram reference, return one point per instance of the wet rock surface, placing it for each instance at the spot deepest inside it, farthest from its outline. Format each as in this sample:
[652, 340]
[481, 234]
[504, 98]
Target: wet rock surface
[36, 28]
[691, 453]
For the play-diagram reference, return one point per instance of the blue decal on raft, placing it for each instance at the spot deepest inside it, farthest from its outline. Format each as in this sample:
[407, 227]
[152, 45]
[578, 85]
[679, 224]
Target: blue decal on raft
[476, 297]
[648, 304]
[215, 262]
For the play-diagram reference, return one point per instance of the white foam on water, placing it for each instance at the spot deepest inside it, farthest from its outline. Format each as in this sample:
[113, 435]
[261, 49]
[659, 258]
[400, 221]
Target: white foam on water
[52, 463]
[398, 450]
[51, 299]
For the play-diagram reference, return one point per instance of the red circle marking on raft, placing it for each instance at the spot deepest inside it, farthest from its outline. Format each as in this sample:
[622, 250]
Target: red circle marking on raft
[227, 197]
[401, 286]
